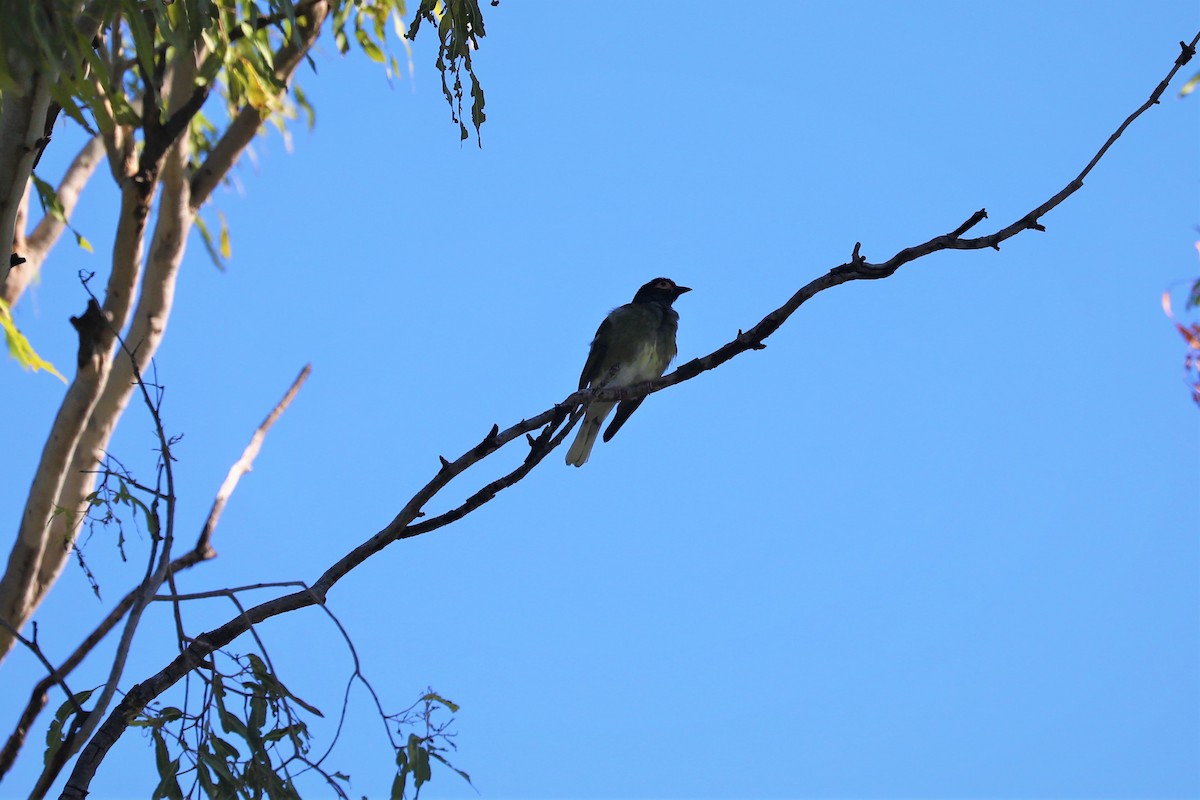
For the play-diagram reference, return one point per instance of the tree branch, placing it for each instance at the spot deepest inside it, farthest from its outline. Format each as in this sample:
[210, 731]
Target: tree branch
[167, 245]
[201, 551]
[859, 269]
[22, 117]
[158, 568]
[245, 124]
[243, 464]
[44, 519]
[47, 232]
[25, 121]
[196, 654]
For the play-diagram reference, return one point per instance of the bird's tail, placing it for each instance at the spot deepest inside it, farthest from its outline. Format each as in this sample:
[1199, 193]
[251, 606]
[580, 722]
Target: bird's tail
[589, 429]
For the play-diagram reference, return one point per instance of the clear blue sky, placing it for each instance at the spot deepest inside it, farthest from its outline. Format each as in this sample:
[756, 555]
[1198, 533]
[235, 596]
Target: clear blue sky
[938, 539]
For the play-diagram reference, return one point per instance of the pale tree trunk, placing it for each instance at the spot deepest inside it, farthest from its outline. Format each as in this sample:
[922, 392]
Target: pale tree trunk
[19, 593]
[104, 383]
[22, 125]
[167, 245]
[35, 246]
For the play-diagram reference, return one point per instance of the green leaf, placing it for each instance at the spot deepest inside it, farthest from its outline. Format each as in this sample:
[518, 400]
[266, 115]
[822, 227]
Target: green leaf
[258, 712]
[62, 94]
[20, 348]
[421, 770]
[143, 41]
[398, 785]
[218, 765]
[434, 697]
[48, 198]
[291, 731]
[369, 47]
[168, 770]
[1190, 86]
[170, 714]
[207, 238]
[229, 722]
[302, 101]
[441, 758]
[206, 782]
[162, 757]
[226, 249]
[54, 733]
[224, 748]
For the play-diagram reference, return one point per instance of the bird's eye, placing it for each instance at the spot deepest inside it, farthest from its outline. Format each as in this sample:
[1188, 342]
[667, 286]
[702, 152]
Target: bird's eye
[664, 284]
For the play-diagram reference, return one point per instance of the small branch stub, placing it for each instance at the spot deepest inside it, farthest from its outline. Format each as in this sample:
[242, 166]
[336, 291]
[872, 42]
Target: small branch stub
[976, 218]
[90, 325]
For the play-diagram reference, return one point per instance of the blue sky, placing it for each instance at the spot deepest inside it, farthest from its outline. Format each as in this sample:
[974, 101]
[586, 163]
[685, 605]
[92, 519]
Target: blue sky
[937, 540]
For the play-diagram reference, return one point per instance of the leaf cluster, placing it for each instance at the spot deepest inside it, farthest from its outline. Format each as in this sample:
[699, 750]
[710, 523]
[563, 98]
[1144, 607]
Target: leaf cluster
[459, 26]
[232, 747]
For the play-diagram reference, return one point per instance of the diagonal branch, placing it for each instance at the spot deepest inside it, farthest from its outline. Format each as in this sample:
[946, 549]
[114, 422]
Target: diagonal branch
[243, 464]
[859, 269]
[402, 526]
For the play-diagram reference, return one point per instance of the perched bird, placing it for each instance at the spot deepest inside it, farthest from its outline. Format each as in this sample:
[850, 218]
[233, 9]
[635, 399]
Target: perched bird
[635, 343]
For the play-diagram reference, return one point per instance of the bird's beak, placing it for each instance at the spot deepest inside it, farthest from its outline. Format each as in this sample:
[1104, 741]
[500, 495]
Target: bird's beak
[682, 289]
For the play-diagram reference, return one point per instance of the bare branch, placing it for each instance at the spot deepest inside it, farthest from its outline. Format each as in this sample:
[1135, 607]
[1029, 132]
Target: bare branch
[55, 676]
[229, 592]
[859, 269]
[243, 464]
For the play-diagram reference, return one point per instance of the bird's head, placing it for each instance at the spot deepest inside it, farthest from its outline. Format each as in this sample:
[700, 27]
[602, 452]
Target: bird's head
[660, 290]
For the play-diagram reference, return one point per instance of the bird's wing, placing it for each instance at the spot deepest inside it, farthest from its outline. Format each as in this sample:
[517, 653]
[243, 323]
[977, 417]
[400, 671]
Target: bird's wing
[591, 368]
[624, 409]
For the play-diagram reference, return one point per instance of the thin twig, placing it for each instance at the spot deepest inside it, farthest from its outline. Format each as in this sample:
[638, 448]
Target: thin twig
[56, 676]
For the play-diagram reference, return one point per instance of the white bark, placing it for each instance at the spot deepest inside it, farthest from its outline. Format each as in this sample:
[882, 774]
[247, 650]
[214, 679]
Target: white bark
[37, 245]
[22, 123]
[167, 245]
[41, 529]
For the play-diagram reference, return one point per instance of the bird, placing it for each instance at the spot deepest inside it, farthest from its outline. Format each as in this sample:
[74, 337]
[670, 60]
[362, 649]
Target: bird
[635, 343]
